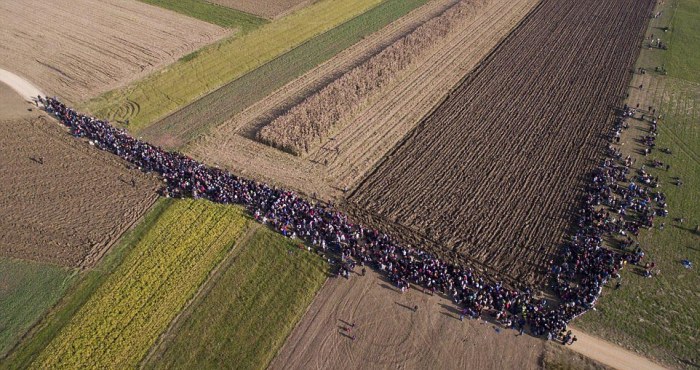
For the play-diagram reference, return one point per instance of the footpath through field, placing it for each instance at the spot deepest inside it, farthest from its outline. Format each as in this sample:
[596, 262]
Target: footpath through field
[610, 354]
[19, 84]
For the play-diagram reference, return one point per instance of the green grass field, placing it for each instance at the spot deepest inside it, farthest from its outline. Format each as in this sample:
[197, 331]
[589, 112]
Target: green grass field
[212, 13]
[683, 57]
[27, 290]
[661, 316]
[222, 104]
[215, 65]
[251, 309]
[76, 296]
[124, 317]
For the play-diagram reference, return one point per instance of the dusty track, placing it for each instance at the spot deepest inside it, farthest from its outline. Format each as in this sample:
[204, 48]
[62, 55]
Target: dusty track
[71, 208]
[610, 354]
[390, 335]
[79, 48]
[493, 173]
[381, 125]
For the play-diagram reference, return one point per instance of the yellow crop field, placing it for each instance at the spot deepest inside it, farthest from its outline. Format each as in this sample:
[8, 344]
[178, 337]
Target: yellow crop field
[123, 319]
[161, 93]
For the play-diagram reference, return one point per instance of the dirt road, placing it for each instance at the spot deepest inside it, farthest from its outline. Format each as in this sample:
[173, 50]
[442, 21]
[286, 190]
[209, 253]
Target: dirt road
[610, 354]
[23, 87]
[77, 49]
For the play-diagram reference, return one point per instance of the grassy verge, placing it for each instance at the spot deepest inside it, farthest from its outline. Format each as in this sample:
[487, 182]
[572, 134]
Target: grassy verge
[124, 317]
[27, 290]
[253, 307]
[683, 56]
[212, 13]
[221, 104]
[660, 316]
[88, 282]
[213, 66]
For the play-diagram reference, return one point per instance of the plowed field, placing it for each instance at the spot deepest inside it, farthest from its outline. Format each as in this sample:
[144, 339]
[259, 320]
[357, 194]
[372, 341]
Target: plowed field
[493, 173]
[62, 201]
[79, 48]
[346, 157]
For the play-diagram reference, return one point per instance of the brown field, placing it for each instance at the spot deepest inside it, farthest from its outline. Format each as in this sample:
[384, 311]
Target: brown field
[389, 334]
[493, 174]
[71, 208]
[306, 125]
[379, 126]
[264, 8]
[77, 49]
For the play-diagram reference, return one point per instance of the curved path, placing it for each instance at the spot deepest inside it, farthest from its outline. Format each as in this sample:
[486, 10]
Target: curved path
[610, 354]
[19, 84]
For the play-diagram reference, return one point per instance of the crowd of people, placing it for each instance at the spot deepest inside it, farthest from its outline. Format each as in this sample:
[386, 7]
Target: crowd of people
[610, 208]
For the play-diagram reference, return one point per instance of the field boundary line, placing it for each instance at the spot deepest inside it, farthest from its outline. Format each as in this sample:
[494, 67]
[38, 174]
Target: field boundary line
[301, 318]
[470, 74]
[224, 85]
[93, 258]
[201, 293]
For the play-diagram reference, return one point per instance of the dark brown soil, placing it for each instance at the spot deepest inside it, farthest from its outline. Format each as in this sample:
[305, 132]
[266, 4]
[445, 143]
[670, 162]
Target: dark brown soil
[63, 201]
[495, 172]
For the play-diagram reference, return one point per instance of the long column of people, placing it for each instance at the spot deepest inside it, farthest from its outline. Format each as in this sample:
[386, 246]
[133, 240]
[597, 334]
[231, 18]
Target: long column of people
[616, 204]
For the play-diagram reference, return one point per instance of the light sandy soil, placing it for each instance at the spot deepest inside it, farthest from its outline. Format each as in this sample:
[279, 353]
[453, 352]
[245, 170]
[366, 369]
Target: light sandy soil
[265, 8]
[389, 334]
[383, 123]
[77, 49]
[62, 200]
[610, 354]
[24, 88]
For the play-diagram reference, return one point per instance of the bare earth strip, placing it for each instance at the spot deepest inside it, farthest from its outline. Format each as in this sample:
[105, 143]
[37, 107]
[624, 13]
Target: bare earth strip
[378, 127]
[610, 354]
[77, 49]
[264, 8]
[62, 201]
[389, 334]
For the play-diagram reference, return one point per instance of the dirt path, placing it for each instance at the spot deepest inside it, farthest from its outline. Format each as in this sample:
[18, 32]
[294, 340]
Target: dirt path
[77, 49]
[610, 354]
[389, 334]
[23, 87]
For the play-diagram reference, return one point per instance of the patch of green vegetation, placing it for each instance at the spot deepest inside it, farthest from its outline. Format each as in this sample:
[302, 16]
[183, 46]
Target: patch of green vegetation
[252, 308]
[220, 105]
[212, 13]
[27, 290]
[182, 82]
[683, 56]
[88, 282]
[660, 316]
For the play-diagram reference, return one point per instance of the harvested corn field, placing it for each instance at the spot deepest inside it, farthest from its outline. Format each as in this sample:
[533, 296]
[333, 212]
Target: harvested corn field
[493, 173]
[63, 202]
[346, 156]
[311, 121]
[79, 48]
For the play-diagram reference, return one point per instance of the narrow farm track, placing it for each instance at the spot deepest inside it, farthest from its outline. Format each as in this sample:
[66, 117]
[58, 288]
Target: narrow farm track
[496, 170]
[366, 141]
